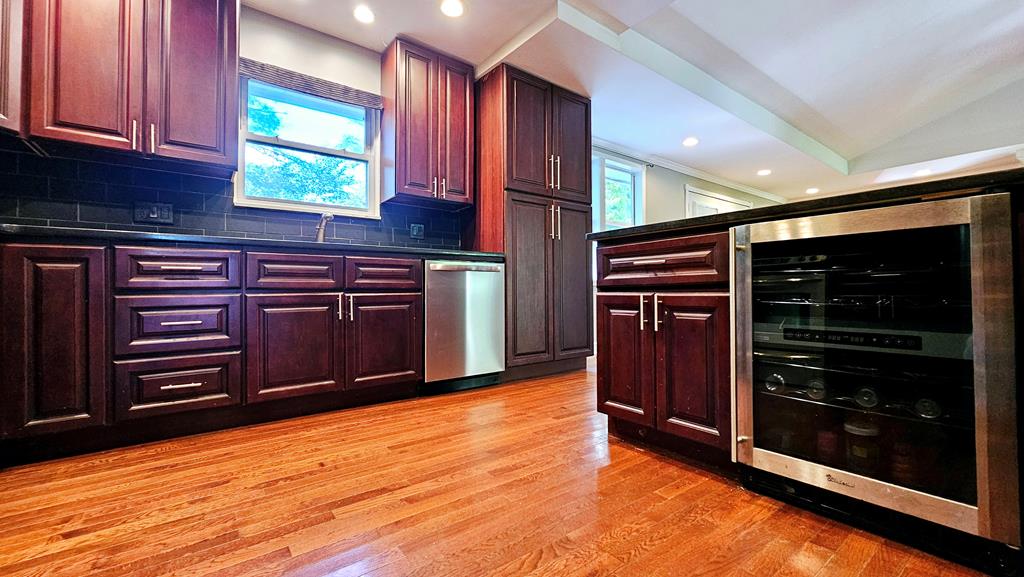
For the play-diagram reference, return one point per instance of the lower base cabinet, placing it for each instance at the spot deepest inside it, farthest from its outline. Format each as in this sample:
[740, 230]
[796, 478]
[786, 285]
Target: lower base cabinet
[53, 360]
[385, 340]
[295, 345]
[663, 362]
[151, 387]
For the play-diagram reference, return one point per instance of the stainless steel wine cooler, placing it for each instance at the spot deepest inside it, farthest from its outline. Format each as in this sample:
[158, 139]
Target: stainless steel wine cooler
[875, 358]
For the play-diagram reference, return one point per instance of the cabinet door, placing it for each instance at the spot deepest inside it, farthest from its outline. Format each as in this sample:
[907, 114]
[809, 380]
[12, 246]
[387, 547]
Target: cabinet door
[625, 357]
[529, 233]
[386, 343]
[192, 80]
[693, 385]
[54, 370]
[294, 345]
[416, 102]
[11, 36]
[455, 129]
[87, 72]
[528, 164]
[571, 145]
[572, 293]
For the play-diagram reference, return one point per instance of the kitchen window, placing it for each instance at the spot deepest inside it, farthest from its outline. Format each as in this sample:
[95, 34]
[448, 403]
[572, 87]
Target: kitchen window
[618, 192]
[306, 153]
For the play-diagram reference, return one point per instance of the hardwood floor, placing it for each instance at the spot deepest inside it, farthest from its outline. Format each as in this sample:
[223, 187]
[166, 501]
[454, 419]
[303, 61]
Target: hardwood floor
[514, 480]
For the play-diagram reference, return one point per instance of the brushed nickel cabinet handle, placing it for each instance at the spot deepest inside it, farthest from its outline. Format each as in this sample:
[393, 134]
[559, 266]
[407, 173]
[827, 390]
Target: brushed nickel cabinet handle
[180, 323]
[435, 187]
[444, 187]
[559, 211]
[552, 208]
[552, 161]
[341, 308]
[180, 267]
[656, 319]
[649, 261]
[742, 439]
[558, 183]
[182, 386]
[352, 308]
[135, 134]
[741, 247]
[152, 138]
[641, 313]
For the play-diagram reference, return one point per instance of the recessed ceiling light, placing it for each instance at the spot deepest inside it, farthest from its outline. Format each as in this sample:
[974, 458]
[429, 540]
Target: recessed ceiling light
[923, 172]
[452, 8]
[690, 141]
[363, 14]
[764, 172]
[813, 190]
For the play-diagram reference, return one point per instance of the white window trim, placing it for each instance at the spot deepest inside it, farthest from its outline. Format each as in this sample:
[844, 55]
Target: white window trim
[689, 190]
[639, 200]
[371, 155]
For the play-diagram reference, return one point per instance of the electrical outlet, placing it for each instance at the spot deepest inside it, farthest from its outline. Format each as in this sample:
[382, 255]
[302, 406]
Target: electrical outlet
[416, 230]
[154, 212]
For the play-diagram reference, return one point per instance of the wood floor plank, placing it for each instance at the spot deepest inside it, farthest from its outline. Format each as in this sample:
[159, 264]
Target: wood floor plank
[515, 480]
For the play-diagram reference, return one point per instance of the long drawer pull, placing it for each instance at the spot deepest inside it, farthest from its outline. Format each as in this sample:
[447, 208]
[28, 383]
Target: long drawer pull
[181, 386]
[649, 261]
[180, 323]
[180, 267]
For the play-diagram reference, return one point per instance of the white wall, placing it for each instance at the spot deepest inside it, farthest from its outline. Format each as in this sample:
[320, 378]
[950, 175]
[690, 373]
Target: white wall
[664, 195]
[268, 39]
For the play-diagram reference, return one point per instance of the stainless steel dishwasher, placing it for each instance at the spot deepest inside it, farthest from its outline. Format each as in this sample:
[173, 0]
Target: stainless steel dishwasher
[465, 319]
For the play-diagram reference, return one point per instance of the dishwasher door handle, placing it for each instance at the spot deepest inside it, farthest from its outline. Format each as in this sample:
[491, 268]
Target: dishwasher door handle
[465, 267]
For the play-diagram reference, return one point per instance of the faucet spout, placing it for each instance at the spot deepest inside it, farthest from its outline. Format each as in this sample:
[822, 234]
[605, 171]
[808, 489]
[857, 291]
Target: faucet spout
[321, 227]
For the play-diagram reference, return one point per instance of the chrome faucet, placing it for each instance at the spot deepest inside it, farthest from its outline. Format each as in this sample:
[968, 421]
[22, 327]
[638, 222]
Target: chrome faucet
[321, 227]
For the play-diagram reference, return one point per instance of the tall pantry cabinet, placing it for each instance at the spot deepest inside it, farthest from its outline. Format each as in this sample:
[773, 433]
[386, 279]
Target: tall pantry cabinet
[534, 183]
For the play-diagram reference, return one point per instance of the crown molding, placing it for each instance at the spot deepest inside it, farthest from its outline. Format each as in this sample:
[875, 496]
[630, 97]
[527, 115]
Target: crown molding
[684, 169]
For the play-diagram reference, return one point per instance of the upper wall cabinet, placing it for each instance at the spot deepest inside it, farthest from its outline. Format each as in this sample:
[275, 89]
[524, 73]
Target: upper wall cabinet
[158, 77]
[11, 38]
[427, 125]
[535, 136]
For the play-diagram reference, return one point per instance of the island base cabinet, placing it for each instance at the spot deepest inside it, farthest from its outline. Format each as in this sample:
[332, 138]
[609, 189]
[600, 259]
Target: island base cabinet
[53, 375]
[295, 345]
[386, 340]
[663, 362]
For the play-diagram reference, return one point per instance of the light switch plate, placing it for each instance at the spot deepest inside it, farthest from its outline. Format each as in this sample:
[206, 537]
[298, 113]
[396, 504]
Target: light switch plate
[416, 230]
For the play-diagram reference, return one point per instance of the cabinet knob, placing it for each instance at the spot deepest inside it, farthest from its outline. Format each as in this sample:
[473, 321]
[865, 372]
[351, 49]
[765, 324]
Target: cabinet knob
[742, 439]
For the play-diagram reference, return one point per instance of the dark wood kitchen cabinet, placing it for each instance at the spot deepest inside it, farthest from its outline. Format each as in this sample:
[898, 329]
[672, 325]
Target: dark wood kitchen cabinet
[156, 77]
[625, 358]
[54, 339]
[427, 125]
[534, 136]
[663, 362]
[548, 303]
[294, 344]
[12, 17]
[385, 345]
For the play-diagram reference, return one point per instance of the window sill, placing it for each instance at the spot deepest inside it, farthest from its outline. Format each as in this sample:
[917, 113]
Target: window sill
[372, 214]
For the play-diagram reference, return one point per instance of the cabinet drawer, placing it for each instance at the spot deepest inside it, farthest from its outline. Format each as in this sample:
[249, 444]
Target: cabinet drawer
[702, 259]
[169, 268]
[163, 324]
[265, 270]
[383, 273]
[150, 387]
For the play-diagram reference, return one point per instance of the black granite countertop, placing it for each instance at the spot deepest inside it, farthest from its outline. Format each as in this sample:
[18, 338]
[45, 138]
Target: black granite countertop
[124, 236]
[975, 184]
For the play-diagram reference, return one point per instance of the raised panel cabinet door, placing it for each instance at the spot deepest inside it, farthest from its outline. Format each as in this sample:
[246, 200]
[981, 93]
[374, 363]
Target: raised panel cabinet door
[572, 293]
[416, 132]
[529, 232]
[528, 164]
[12, 18]
[455, 129]
[571, 145]
[87, 71]
[192, 80]
[625, 357]
[386, 340]
[294, 345]
[54, 370]
[692, 373]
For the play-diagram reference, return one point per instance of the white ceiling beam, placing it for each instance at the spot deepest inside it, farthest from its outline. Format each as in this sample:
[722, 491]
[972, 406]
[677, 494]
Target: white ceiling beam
[681, 72]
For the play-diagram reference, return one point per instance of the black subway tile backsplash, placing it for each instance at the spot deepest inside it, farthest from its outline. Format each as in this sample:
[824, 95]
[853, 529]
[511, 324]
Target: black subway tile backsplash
[94, 191]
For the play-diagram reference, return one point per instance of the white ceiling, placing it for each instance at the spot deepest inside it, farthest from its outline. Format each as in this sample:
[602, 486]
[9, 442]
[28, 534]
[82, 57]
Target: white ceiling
[832, 94]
